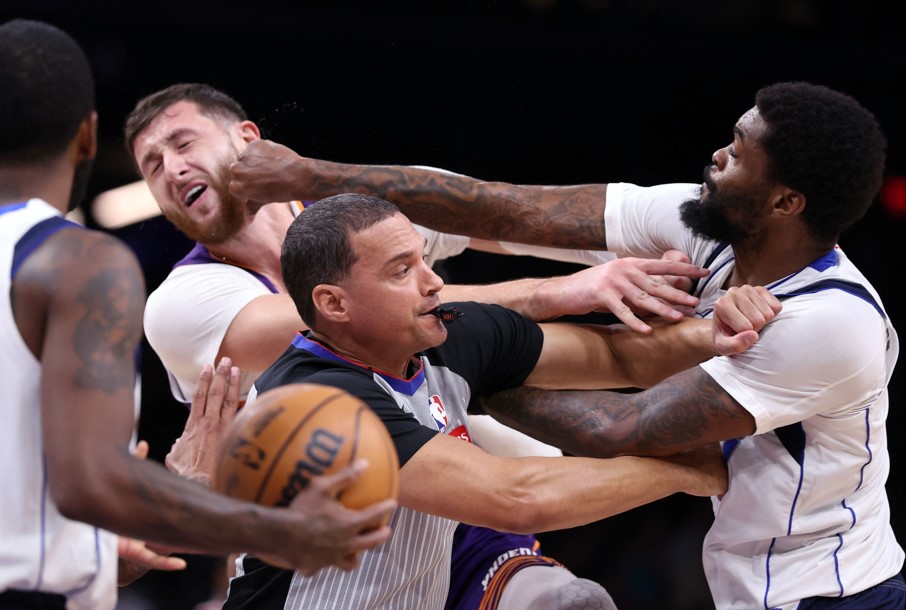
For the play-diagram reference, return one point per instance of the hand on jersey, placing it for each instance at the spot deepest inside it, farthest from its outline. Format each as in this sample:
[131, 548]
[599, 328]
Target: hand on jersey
[264, 173]
[214, 406]
[739, 315]
[627, 287]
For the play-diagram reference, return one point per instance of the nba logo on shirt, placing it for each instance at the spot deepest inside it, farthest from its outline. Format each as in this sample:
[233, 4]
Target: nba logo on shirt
[436, 408]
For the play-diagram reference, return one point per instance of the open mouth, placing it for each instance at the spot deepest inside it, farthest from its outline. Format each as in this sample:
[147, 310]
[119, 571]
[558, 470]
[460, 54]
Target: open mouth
[194, 193]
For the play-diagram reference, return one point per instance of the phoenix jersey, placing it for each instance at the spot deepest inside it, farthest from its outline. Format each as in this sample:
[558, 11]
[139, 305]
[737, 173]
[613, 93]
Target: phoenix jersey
[487, 350]
[487, 560]
[806, 513]
[40, 549]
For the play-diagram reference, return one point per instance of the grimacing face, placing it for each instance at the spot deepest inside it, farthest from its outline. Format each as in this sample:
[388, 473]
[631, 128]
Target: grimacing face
[722, 213]
[735, 191]
[184, 156]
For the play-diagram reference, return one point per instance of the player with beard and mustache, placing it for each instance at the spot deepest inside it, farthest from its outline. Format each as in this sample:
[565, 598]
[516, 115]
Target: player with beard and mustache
[70, 326]
[222, 226]
[721, 215]
[802, 415]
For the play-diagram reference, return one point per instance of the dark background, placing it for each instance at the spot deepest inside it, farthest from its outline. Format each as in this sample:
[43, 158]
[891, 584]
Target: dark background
[530, 91]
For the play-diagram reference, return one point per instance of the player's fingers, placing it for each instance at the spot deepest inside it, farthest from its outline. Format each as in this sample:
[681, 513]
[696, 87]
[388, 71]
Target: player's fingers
[738, 312]
[152, 560]
[333, 483]
[218, 388]
[349, 562]
[740, 342]
[672, 267]
[371, 520]
[373, 537]
[137, 552]
[746, 307]
[676, 255]
[653, 295]
[625, 314]
[231, 399]
[200, 395]
[769, 304]
[141, 450]
[729, 343]
[658, 307]
[665, 289]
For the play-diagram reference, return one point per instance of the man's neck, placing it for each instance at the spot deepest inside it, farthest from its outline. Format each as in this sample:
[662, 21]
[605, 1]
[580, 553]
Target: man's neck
[768, 265]
[258, 244]
[359, 354]
[20, 183]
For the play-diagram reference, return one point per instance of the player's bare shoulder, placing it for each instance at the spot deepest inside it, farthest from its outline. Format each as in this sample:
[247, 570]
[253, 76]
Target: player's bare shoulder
[86, 277]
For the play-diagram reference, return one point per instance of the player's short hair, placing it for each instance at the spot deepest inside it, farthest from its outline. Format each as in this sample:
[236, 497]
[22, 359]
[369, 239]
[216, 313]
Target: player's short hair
[211, 102]
[46, 90]
[318, 250]
[826, 145]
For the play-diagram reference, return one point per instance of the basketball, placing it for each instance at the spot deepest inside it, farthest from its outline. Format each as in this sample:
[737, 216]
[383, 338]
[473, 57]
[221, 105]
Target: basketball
[292, 433]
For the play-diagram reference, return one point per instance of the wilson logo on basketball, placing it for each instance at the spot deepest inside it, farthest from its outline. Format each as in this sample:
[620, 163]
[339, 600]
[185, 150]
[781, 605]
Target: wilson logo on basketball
[319, 455]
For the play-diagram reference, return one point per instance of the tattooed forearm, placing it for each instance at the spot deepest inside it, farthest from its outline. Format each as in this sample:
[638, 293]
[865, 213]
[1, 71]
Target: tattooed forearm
[171, 506]
[685, 411]
[569, 216]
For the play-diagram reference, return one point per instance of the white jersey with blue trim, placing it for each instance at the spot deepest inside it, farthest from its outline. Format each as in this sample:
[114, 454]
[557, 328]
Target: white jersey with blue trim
[188, 315]
[40, 549]
[806, 513]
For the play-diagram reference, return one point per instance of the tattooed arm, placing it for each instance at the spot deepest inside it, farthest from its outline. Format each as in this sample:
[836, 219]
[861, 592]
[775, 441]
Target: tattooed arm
[561, 216]
[686, 410]
[78, 301]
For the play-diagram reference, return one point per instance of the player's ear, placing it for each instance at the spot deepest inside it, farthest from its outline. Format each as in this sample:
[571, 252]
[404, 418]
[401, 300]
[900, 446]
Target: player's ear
[330, 301]
[787, 201]
[86, 140]
[248, 131]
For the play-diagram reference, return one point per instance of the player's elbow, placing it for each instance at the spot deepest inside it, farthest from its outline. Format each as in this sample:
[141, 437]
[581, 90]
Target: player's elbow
[600, 441]
[84, 491]
[76, 500]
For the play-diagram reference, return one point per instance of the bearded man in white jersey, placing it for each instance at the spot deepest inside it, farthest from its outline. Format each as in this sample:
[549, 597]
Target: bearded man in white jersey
[355, 269]
[802, 415]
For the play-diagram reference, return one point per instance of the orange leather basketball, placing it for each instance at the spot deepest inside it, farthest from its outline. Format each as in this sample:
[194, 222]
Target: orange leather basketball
[295, 432]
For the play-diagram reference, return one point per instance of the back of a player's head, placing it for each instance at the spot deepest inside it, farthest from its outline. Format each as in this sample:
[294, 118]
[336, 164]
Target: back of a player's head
[46, 91]
[210, 101]
[826, 145]
[318, 249]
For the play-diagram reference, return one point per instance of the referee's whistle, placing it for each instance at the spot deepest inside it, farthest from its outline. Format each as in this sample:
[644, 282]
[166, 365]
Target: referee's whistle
[447, 315]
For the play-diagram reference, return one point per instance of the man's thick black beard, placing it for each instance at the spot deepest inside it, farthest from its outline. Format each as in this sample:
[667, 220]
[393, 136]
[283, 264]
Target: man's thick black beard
[706, 221]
